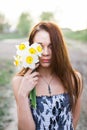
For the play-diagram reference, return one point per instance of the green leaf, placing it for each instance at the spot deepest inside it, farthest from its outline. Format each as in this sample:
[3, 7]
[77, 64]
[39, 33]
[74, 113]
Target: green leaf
[33, 98]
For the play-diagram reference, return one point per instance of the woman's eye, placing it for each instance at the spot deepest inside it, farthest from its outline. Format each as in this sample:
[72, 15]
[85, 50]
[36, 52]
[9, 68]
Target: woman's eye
[50, 46]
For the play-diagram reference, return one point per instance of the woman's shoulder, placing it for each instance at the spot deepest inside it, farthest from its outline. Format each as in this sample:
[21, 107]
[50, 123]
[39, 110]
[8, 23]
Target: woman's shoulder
[15, 84]
[16, 80]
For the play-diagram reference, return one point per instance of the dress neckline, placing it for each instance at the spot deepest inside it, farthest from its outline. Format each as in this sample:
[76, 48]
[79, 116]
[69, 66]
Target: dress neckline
[56, 95]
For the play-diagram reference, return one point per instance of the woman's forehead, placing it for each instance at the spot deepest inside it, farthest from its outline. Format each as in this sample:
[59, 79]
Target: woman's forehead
[42, 37]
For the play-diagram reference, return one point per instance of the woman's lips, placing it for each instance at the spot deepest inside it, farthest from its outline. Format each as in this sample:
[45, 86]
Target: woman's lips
[45, 60]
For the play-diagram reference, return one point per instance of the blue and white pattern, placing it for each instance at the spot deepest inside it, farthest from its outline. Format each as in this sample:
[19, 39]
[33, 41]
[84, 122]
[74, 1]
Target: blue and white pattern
[53, 112]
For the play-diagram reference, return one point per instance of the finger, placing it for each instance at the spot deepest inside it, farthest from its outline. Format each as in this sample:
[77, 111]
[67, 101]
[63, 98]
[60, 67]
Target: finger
[35, 82]
[35, 79]
[34, 74]
[28, 72]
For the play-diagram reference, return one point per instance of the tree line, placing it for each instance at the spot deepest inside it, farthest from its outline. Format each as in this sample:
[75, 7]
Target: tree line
[25, 22]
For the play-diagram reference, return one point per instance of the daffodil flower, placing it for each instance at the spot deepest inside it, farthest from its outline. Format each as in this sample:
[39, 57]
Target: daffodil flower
[17, 60]
[28, 56]
[29, 61]
[38, 48]
[32, 51]
[21, 48]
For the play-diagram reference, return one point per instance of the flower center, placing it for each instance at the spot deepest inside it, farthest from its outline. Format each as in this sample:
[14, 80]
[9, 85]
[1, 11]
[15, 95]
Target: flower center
[32, 50]
[22, 46]
[29, 59]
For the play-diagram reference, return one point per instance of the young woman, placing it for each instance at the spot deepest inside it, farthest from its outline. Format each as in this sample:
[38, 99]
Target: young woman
[58, 85]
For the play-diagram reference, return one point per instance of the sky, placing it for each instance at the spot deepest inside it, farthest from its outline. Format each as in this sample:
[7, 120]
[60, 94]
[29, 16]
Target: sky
[68, 13]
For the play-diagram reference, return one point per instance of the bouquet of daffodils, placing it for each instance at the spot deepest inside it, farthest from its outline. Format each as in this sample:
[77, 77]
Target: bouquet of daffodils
[27, 57]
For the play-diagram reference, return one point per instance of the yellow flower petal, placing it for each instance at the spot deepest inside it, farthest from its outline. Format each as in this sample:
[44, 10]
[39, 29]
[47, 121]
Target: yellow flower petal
[29, 59]
[16, 62]
[22, 46]
[32, 50]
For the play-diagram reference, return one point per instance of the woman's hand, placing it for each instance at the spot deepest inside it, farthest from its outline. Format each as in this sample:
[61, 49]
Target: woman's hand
[28, 82]
[22, 85]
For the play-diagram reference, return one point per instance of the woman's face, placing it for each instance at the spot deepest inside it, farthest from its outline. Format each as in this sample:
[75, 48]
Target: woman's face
[42, 37]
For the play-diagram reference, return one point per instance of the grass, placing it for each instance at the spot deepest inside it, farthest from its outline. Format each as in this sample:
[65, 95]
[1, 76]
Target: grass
[6, 71]
[76, 35]
[6, 93]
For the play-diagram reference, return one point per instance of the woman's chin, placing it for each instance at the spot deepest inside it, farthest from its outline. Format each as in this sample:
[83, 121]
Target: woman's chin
[45, 65]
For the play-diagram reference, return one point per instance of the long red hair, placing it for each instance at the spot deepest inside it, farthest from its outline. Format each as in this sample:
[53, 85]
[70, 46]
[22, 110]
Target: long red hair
[61, 65]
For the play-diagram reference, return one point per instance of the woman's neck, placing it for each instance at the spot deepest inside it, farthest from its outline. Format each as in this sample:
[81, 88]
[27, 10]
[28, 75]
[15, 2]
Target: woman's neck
[45, 72]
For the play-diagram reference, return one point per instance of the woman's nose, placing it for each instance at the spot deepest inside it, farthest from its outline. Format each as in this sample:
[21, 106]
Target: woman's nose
[45, 51]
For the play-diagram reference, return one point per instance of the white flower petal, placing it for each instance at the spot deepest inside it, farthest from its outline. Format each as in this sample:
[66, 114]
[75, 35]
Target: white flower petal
[34, 45]
[32, 66]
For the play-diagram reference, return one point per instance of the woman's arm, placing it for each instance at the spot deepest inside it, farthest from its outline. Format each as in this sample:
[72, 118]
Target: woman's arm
[76, 112]
[22, 86]
[25, 119]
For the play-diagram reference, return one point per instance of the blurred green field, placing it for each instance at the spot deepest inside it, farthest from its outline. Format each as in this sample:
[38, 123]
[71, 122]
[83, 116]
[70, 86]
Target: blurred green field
[6, 71]
[6, 96]
[76, 35]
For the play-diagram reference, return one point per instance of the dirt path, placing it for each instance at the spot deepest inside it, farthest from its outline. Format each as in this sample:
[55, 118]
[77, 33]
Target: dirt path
[8, 49]
[78, 54]
[13, 115]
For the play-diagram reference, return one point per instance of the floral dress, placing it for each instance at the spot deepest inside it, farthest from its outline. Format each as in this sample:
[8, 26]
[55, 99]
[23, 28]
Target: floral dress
[53, 112]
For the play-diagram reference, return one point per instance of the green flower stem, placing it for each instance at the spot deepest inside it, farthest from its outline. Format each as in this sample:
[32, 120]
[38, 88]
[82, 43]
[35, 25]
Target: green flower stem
[33, 98]
[33, 94]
